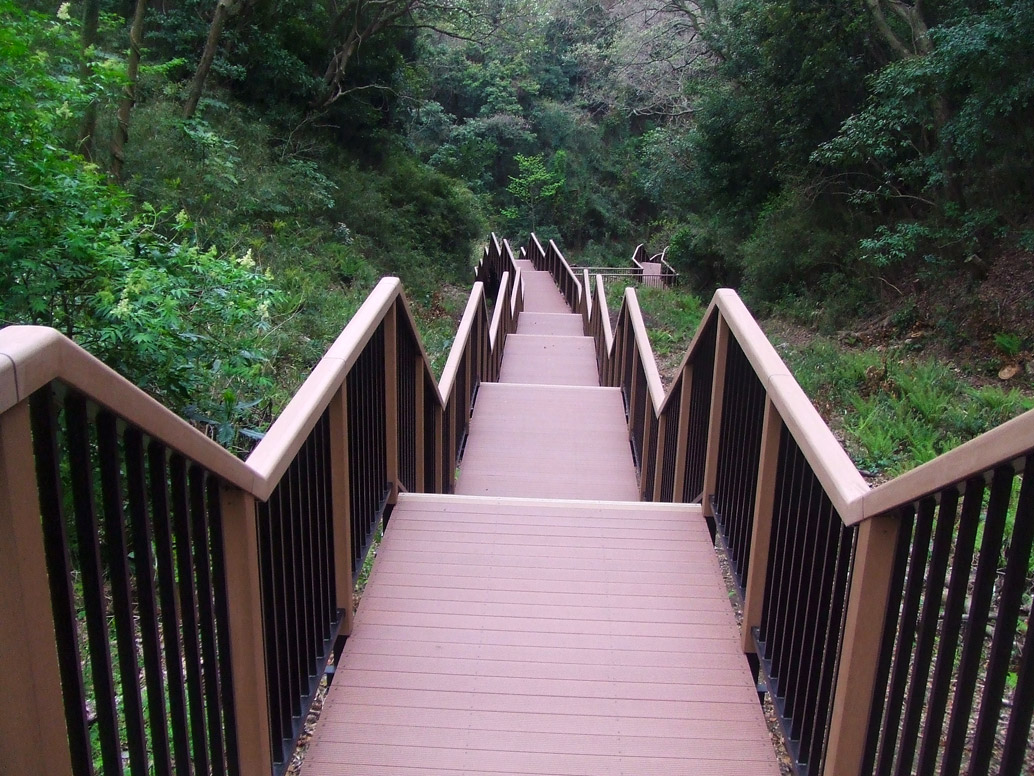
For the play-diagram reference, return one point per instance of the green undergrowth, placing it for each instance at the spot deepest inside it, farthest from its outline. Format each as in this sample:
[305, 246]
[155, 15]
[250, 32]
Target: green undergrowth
[891, 409]
[896, 412]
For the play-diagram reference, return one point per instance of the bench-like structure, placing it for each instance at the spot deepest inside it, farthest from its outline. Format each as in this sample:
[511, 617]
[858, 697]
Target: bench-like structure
[167, 608]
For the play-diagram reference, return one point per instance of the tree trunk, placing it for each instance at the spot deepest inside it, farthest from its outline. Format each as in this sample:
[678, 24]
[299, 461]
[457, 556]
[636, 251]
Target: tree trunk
[91, 21]
[223, 10]
[136, 38]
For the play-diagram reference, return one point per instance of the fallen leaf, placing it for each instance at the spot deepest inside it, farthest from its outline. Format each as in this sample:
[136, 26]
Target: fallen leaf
[1008, 372]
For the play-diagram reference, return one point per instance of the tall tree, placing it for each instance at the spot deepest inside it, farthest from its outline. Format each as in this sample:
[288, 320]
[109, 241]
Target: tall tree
[224, 9]
[88, 126]
[121, 136]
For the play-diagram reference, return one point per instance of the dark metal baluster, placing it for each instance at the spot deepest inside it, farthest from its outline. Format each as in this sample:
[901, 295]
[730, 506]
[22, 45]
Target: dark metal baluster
[147, 602]
[320, 571]
[831, 650]
[206, 618]
[286, 570]
[121, 594]
[1017, 736]
[1005, 624]
[800, 551]
[302, 524]
[976, 624]
[816, 621]
[45, 448]
[161, 518]
[94, 595]
[330, 562]
[222, 617]
[951, 623]
[899, 632]
[926, 634]
[272, 611]
[188, 607]
[788, 480]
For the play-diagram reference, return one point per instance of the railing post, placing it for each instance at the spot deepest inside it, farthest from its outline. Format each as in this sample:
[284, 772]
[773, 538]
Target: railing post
[33, 738]
[860, 653]
[714, 423]
[682, 442]
[761, 532]
[244, 609]
[644, 452]
[341, 506]
[391, 401]
[658, 467]
[419, 385]
[442, 476]
[633, 393]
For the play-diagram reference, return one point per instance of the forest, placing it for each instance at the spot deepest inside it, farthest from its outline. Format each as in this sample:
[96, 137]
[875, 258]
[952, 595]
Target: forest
[200, 192]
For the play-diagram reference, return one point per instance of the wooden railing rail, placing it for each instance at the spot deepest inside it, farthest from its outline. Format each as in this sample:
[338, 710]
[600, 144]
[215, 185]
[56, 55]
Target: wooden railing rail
[872, 668]
[187, 600]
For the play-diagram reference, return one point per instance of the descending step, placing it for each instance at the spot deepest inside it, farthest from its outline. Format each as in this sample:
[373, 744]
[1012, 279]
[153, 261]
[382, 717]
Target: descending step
[548, 441]
[523, 636]
[541, 294]
[551, 323]
[549, 360]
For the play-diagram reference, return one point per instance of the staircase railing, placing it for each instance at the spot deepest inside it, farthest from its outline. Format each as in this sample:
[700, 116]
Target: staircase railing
[168, 608]
[873, 667]
[551, 260]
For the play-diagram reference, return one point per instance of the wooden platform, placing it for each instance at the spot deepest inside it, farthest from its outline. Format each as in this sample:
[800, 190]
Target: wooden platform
[522, 636]
[549, 360]
[567, 324]
[543, 621]
[548, 441]
[652, 274]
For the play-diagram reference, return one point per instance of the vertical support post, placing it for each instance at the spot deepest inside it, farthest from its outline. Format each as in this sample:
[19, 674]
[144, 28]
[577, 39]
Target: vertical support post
[682, 443]
[33, 735]
[633, 390]
[761, 533]
[391, 401]
[444, 476]
[469, 365]
[647, 448]
[714, 423]
[247, 654]
[341, 512]
[420, 383]
[658, 467]
[860, 653]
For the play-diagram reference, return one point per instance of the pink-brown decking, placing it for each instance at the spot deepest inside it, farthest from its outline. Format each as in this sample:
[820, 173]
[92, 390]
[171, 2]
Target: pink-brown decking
[652, 273]
[542, 620]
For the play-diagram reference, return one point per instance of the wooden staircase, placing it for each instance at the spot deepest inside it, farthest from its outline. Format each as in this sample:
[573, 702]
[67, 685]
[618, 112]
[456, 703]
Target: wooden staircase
[543, 620]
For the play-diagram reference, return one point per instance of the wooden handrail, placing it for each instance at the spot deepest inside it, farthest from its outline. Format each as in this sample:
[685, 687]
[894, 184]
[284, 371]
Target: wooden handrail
[271, 457]
[32, 357]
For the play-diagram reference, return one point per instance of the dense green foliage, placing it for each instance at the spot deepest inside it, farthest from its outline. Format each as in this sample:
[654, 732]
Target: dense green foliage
[823, 157]
[279, 158]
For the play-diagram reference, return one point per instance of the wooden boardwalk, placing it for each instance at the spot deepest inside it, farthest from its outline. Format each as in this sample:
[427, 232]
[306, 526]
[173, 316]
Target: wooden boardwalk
[542, 620]
[652, 274]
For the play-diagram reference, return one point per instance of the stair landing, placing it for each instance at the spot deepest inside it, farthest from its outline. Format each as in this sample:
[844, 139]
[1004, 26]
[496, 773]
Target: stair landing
[524, 636]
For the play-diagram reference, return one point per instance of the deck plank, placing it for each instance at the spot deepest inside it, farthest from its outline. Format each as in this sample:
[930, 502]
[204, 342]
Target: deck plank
[570, 325]
[550, 442]
[541, 294]
[550, 359]
[561, 678]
